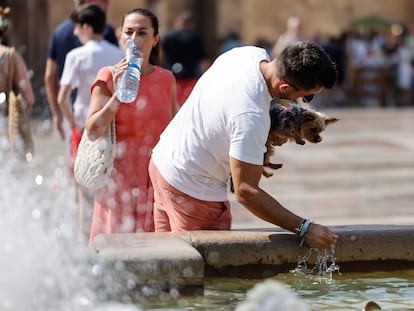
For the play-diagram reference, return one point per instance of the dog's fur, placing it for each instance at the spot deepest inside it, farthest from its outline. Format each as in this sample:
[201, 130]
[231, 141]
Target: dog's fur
[295, 123]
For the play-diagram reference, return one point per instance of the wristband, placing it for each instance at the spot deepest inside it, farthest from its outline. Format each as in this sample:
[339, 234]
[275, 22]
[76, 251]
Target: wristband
[305, 227]
[299, 228]
[304, 230]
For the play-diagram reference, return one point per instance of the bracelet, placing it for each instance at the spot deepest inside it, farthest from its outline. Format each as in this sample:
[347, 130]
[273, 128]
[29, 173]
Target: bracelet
[303, 228]
[299, 228]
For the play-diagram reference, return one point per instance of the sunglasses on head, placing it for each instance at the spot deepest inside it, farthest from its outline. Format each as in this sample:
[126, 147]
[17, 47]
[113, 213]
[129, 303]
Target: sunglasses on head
[307, 99]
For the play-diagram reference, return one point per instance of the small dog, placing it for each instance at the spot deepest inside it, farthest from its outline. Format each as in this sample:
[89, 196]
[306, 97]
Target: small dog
[295, 123]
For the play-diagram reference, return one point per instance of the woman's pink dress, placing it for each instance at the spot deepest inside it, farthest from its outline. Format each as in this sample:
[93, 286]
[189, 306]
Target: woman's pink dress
[125, 204]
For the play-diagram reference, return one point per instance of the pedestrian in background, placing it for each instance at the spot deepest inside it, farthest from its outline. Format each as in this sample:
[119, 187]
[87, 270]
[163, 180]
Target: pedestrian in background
[62, 41]
[81, 67]
[13, 74]
[292, 34]
[184, 54]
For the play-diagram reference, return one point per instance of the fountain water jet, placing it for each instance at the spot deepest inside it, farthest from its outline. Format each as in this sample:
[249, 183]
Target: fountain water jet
[42, 264]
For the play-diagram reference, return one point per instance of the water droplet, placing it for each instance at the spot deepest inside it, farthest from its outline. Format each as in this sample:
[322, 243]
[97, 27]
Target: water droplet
[141, 103]
[97, 270]
[29, 157]
[39, 180]
[36, 213]
[177, 68]
[2, 97]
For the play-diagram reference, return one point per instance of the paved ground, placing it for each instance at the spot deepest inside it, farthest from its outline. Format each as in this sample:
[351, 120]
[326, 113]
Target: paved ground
[361, 173]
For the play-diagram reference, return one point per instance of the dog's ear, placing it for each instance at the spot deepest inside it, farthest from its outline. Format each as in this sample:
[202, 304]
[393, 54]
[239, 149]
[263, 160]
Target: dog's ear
[308, 116]
[330, 120]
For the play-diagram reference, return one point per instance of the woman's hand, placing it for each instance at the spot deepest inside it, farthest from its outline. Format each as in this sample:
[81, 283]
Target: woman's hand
[118, 70]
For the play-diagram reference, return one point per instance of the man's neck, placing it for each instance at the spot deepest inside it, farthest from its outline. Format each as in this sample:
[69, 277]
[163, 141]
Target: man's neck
[267, 69]
[95, 37]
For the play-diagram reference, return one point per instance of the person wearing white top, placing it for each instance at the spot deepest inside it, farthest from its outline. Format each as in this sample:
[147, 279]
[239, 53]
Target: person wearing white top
[81, 67]
[222, 129]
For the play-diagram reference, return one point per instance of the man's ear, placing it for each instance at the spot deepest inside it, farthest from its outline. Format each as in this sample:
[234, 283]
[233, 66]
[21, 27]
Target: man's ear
[87, 26]
[283, 87]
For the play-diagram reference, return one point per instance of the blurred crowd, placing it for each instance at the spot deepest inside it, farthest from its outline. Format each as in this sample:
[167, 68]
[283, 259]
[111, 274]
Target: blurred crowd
[375, 63]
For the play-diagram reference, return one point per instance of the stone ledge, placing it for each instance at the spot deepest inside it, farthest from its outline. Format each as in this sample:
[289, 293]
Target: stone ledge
[161, 259]
[185, 258]
[262, 253]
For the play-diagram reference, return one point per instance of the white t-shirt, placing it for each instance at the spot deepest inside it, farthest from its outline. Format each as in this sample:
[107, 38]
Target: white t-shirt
[81, 67]
[227, 114]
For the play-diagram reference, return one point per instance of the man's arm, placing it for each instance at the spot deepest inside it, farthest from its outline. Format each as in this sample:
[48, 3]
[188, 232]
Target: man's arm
[246, 179]
[51, 83]
[64, 103]
[23, 80]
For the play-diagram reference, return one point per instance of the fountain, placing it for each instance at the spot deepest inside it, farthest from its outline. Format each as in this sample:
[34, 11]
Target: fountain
[44, 267]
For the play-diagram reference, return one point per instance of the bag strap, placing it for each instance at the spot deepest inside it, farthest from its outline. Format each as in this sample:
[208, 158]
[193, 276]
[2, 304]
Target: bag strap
[12, 69]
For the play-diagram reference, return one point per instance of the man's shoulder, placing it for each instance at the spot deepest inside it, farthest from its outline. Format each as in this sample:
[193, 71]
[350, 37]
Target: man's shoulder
[93, 48]
[63, 36]
[110, 50]
[108, 45]
[251, 51]
[172, 34]
[65, 27]
[74, 54]
[110, 35]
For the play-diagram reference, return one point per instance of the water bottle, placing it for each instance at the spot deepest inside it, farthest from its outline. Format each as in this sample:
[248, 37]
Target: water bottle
[128, 83]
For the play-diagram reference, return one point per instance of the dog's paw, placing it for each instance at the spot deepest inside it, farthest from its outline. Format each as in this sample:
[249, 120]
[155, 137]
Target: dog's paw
[266, 173]
[274, 166]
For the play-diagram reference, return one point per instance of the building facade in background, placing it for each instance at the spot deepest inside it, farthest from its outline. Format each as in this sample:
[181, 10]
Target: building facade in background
[253, 20]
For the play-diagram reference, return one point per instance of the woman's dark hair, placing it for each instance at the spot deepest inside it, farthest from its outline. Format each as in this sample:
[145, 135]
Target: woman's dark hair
[154, 58]
[306, 65]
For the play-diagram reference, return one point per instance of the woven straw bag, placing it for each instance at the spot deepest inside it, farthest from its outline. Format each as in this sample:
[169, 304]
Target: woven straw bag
[20, 134]
[95, 159]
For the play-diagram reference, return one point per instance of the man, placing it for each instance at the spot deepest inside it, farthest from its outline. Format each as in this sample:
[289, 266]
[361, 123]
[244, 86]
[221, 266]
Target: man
[184, 54]
[222, 129]
[81, 67]
[63, 40]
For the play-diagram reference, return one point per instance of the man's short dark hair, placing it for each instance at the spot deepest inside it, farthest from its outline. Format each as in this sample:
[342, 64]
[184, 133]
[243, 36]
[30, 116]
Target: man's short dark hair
[306, 65]
[90, 14]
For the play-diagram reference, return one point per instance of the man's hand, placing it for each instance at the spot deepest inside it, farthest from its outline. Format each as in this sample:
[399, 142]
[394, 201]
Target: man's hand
[58, 126]
[319, 236]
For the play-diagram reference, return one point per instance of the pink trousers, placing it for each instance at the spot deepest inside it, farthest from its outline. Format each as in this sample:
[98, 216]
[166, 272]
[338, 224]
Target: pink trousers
[177, 211]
